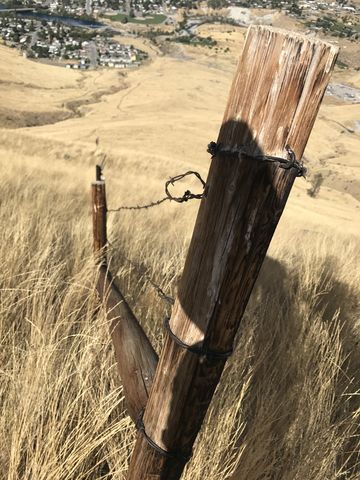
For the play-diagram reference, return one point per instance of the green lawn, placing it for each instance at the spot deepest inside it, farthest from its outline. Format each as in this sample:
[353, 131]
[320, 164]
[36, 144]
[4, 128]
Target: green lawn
[153, 20]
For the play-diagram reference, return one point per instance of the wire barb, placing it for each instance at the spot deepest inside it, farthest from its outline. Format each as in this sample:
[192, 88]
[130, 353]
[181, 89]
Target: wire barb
[284, 163]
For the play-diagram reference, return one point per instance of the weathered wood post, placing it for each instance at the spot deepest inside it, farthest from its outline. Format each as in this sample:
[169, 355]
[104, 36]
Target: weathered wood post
[274, 99]
[98, 173]
[99, 217]
[135, 356]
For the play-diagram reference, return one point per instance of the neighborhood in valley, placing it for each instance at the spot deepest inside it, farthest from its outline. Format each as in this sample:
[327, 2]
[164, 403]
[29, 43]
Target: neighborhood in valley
[71, 46]
[79, 33]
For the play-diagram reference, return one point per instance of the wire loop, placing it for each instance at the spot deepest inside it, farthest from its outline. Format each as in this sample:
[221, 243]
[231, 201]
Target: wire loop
[182, 457]
[203, 351]
[188, 195]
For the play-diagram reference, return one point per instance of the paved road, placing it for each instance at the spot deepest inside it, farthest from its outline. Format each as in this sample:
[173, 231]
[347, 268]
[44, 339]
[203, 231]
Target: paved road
[88, 7]
[92, 54]
[344, 92]
[24, 10]
[34, 37]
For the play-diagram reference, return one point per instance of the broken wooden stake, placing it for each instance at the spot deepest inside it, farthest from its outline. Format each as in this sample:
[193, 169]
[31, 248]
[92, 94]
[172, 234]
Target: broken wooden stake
[135, 356]
[274, 99]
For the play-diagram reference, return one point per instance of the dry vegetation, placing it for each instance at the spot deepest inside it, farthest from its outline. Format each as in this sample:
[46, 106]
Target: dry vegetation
[287, 404]
[287, 407]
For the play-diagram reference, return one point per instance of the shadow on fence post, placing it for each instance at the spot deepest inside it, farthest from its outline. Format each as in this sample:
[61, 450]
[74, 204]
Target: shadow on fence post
[135, 356]
[274, 99]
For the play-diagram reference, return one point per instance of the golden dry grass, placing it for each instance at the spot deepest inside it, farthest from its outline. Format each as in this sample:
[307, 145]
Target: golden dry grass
[287, 407]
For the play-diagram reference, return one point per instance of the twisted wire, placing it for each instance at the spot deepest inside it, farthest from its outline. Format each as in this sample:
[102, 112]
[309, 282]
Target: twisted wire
[202, 350]
[142, 270]
[175, 455]
[284, 163]
[188, 195]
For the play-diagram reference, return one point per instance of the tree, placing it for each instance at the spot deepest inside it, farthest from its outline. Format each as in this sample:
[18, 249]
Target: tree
[295, 9]
[215, 3]
[316, 183]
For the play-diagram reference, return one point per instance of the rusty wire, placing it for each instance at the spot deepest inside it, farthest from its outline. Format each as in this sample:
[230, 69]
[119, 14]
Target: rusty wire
[142, 270]
[284, 163]
[188, 195]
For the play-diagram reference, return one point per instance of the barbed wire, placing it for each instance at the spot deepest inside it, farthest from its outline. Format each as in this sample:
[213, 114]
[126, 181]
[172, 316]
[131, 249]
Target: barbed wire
[214, 149]
[284, 163]
[142, 271]
[188, 195]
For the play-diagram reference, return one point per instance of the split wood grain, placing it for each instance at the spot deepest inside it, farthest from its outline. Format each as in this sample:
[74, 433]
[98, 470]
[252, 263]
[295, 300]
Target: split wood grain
[274, 99]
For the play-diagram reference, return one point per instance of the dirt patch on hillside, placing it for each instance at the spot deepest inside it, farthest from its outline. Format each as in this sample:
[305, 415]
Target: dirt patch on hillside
[74, 106]
[10, 118]
[342, 182]
[21, 119]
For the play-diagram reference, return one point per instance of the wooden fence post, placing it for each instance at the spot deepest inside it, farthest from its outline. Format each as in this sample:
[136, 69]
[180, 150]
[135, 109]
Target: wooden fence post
[135, 356]
[274, 99]
[98, 173]
[99, 217]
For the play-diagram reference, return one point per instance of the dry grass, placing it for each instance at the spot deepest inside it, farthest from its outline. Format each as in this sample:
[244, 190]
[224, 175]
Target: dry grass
[287, 407]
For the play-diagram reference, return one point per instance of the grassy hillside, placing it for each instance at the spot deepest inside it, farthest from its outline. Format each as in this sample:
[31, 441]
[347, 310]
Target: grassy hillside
[287, 407]
[287, 404]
